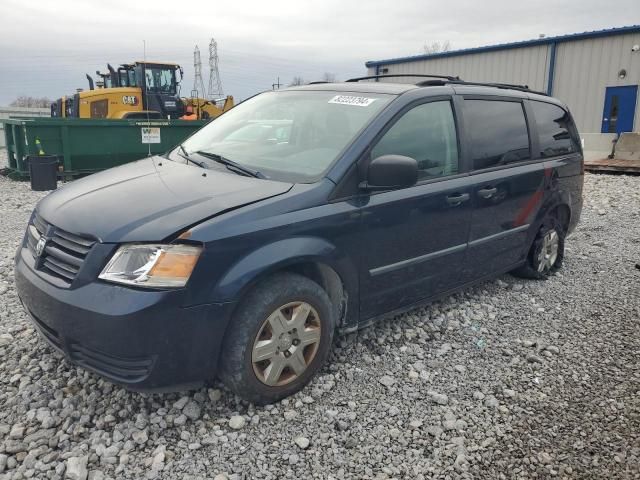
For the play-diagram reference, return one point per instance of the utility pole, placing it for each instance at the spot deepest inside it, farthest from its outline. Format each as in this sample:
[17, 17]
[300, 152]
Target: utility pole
[215, 85]
[276, 86]
[198, 83]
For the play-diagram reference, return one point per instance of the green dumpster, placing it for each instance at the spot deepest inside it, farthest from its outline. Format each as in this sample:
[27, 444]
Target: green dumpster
[86, 146]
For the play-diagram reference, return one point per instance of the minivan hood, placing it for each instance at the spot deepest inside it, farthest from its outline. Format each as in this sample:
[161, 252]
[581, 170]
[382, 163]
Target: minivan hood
[149, 200]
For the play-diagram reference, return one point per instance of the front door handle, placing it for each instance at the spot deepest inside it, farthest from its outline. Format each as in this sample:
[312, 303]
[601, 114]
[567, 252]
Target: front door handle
[487, 192]
[457, 198]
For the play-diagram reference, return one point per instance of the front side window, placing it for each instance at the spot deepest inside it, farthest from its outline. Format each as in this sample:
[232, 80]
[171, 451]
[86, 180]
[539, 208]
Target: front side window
[497, 131]
[290, 135]
[426, 133]
[160, 80]
[555, 128]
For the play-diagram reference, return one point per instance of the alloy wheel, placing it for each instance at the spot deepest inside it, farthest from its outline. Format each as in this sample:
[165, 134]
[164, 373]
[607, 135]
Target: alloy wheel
[286, 344]
[548, 251]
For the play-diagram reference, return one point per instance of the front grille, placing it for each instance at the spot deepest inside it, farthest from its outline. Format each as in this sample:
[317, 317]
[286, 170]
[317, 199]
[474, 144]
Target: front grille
[64, 252]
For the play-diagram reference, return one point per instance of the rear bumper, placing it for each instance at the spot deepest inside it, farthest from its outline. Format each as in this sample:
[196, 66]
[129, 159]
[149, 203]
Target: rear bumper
[144, 340]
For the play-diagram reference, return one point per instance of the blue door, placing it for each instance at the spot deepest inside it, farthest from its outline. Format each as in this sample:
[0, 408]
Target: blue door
[415, 238]
[619, 109]
[507, 189]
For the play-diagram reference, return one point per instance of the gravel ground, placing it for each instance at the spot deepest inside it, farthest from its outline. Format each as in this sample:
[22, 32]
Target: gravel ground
[511, 379]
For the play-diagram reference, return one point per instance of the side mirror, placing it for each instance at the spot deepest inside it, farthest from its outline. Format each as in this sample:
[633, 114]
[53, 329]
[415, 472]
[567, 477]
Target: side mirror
[389, 172]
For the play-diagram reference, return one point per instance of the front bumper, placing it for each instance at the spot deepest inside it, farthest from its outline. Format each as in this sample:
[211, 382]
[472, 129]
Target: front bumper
[143, 339]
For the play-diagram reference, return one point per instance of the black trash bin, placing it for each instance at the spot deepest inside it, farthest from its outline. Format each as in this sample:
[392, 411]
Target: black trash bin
[43, 170]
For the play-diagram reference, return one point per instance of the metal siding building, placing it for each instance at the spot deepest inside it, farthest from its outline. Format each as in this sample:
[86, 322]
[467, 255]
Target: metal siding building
[576, 68]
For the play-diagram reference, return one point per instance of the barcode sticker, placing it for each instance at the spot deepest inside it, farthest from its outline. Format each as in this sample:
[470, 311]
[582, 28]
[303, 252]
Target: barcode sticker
[351, 100]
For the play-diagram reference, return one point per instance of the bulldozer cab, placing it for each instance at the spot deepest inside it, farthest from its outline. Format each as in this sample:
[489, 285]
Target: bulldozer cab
[160, 84]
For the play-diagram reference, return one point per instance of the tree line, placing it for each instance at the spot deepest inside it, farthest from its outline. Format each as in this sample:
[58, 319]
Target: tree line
[429, 48]
[326, 77]
[31, 102]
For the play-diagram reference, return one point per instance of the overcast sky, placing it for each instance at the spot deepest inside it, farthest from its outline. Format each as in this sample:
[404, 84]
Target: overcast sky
[46, 47]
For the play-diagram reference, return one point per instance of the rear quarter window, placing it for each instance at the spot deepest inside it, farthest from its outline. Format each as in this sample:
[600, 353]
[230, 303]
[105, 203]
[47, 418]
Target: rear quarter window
[556, 131]
[497, 132]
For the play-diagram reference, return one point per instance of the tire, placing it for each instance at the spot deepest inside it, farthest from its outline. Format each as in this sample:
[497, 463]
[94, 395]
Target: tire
[282, 310]
[539, 265]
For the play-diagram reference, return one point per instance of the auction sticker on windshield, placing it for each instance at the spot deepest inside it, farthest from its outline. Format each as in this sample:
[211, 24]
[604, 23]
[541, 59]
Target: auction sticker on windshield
[351, 100]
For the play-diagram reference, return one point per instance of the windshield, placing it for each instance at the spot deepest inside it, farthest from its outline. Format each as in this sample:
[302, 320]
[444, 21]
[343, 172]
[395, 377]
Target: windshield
[160, 80]
[291, 135]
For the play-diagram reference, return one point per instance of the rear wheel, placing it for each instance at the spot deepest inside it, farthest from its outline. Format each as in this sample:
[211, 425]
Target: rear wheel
[280, 337]
[546, 253]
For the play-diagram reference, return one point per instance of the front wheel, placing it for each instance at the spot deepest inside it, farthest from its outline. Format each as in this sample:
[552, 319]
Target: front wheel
[279, 338]
[546, 253]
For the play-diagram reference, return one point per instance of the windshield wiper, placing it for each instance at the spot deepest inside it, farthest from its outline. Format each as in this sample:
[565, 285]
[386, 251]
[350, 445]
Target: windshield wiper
[184, 154]
[231, 165]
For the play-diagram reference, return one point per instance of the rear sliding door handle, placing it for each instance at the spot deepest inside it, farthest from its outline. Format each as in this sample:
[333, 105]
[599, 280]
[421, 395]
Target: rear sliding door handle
[457, 198]
[487, 192]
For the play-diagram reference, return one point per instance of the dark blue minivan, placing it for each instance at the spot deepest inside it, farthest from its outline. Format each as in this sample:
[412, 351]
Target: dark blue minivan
[298, 214]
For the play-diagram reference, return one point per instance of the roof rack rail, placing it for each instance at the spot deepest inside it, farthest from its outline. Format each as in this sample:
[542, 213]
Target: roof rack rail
[506, 86]
[317, 82]
[435, 83]
[439, 80]
[372, 77]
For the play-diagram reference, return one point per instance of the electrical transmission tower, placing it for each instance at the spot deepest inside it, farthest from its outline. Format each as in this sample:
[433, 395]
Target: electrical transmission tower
[215, 85]
[198, 83]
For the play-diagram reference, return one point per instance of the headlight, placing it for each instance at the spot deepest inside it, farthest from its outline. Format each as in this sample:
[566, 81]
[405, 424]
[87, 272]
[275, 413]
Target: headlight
[152, 265]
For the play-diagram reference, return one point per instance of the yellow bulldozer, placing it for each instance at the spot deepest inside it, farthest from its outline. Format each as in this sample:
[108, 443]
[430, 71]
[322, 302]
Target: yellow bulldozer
[138, 90]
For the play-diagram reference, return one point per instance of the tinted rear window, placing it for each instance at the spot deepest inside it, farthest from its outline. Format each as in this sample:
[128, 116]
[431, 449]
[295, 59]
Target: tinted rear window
[497, 131]
[554, 129]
